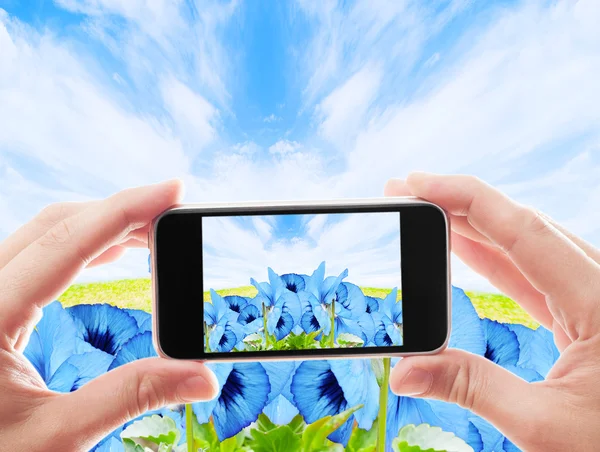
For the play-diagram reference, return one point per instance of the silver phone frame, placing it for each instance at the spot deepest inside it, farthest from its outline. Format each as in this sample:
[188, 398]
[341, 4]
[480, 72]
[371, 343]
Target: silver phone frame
[284, 205]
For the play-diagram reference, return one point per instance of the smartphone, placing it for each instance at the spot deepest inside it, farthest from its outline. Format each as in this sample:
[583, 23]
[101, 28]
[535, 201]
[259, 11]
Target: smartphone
[301, 280]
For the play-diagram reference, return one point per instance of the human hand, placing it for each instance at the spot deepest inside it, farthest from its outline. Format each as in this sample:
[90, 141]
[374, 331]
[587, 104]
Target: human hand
[37, 263]
[555, 277]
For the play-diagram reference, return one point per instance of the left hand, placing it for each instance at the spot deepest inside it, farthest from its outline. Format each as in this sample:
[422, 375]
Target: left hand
[37, 263]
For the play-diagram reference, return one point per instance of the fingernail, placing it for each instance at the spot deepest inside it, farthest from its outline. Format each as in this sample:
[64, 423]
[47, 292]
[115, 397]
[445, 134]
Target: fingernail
[416, 381]
[197, 388]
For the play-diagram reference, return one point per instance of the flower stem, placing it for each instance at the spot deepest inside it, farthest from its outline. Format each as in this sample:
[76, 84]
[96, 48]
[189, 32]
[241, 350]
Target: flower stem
[189, 427]
[332, 338]
[383, 398]
[264, 312]
[206, 347]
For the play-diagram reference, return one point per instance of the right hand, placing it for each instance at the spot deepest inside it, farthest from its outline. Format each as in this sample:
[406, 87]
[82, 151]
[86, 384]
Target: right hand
[555, 277]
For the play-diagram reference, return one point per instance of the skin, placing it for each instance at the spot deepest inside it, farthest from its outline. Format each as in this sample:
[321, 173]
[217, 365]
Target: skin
[553, 275]
[37, 263]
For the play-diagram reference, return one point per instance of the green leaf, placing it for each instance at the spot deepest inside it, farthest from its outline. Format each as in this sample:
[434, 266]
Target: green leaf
[154, 429]
[205, 436]
[297, 424]
[301, 341]
[234, 443]
[130, 446]
[315, 435]
[429, 439]
[363, 440]
[349, 340]
[278, 439]
[264, 424]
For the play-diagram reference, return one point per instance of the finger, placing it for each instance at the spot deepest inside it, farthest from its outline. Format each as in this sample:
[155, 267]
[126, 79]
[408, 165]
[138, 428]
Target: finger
[44, 269]
[398, 187]
[499, 270]
[112, 254]
[589, 249]
[553, 264]
[134, 389]
[476, 384]
[46, 219]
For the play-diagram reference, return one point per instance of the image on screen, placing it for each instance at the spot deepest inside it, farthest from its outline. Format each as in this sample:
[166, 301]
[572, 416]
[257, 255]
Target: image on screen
[301, 281]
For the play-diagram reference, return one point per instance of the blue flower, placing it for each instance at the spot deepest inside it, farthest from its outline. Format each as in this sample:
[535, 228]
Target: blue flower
[324, 289]
[389, 321]
[351, 313]
[226, 334]
[280, 407]
[60, 355]
[142, 318]
[224, 331]
[235, 302]
[322, 388]
[537, 349]
[467, 334]
[483, 437]
[372, 304]
[251, 318]
[316, 316]
[283, 306]
[103, 326]
[244, 391]
[214, 310]
[138, 347]
[293, 282]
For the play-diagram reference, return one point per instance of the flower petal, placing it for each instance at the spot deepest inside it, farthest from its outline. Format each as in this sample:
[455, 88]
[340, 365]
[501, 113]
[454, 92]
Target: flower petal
[491, 440]
[502, 346]
[142, 318]
[538, 351]
[103, 326]
[359, 383]
[53, 340]
[280, 374]
[89, 365]
[277, 284]
[219, 305]
[290, 302]
[242, 399]
[315, 281]
[467, 333]
[280, 411]
[203, 410]
[330, 286]
[293, 282]
[138, 347]
[372, 304]
[235, 302]
[317, 394]
[265, 292]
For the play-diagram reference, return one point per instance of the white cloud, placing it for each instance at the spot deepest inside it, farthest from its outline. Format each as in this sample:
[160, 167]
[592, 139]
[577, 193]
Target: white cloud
[368, 245]
[283, 147]
[271, 118]
[192, 114]
[343, 110]
[56, 113]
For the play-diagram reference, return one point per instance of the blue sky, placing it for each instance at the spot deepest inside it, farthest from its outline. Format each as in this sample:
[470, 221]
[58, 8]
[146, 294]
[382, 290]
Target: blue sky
[298, 100]
[239, 248]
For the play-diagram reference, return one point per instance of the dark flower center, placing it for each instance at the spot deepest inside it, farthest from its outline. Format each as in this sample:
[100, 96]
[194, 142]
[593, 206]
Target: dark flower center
[280, 323]
[232, 389]
[103, 340]
[330, 389]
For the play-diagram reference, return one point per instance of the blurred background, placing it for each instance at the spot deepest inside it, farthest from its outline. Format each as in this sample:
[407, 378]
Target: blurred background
[266, 100]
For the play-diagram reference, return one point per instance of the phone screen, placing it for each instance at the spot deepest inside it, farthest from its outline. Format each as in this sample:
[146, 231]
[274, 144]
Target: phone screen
[235, 282]
[301, 282]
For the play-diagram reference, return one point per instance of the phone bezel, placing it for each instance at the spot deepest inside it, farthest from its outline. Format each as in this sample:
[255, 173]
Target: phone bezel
[172, 333]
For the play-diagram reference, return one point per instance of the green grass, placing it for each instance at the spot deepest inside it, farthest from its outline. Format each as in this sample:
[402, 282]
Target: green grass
[136, 293]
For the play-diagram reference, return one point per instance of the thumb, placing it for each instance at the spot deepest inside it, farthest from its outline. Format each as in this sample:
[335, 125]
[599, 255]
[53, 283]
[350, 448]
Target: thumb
[476, 384]
[107, 402]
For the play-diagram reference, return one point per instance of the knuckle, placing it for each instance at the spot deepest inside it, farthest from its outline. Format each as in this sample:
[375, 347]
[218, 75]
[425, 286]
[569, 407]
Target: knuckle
[530, 222]
[53, 213]
[150, 394]
[467, 386]
[59, 234]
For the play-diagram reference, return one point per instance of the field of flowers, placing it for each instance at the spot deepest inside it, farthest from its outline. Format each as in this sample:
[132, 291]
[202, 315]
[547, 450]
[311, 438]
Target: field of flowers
[298, 312]
[306, 406]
